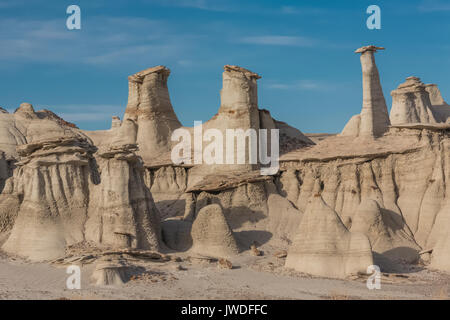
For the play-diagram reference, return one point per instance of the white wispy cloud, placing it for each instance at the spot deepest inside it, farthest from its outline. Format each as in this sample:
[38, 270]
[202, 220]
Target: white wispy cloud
[300, 10]
[278, 40]
[307, 85]
[10, 3]
[102, 40]
[86, 112]
[434, 6]
[208, 5]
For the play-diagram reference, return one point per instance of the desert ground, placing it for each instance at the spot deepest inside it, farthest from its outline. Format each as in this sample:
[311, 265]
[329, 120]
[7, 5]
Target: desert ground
[251, 277]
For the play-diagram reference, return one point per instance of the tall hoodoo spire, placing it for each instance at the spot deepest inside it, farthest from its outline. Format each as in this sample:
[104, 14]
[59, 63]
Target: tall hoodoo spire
[238, 110]
[150, 107]
[240, 89]
[374, 114]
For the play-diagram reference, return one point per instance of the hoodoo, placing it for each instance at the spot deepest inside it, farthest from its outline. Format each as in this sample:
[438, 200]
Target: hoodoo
[239, 97]
[52, 181]
[374, 119]
[123, 214]
[238, 110]
[150, 107]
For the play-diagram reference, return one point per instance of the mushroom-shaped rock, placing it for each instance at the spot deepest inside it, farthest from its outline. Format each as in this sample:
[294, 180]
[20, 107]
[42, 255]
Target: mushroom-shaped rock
[374, 120]
[374, 114]
[323, 246]
[123, 214]
[52, 178]
[211, 234]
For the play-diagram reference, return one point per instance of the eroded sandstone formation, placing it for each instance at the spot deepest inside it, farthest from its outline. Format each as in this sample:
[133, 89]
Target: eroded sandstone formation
[150, 107]
[440, 108]
[239, 110]
[331, 205]
[51, 182]
[385, 234]
[374, 119]
[211, 234]
[123, 214]
[57, 197]
[411, 103]
[323, 246]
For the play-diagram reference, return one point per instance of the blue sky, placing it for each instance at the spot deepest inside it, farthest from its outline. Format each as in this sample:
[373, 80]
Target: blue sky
[303, 49]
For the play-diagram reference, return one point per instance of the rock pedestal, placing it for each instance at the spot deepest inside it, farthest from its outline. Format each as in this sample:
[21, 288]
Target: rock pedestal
[374, 118]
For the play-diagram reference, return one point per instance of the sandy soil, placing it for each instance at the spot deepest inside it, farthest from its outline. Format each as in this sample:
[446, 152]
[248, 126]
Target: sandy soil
[251, 278]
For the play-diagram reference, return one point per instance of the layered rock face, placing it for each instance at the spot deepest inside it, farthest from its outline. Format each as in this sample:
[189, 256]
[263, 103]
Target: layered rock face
[411, 103]
[435, 95]
[385, 236]
[440, 258]
[25, 123]
[51, 182]
[57, 198]
[374, 119]
[324, 247]
[238, 110]
[4, 170]
[150, 107]
[408, 181]
[441, 109]
[9, 202]
[123, 214]
[253, 208]
[13, 130]
[39, 129]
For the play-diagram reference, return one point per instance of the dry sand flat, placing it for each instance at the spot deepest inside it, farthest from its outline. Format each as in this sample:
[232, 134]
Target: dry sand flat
[252, 278]
[143, 227]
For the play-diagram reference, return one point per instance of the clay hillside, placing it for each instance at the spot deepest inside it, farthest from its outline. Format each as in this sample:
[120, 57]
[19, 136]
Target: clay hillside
[377, 193]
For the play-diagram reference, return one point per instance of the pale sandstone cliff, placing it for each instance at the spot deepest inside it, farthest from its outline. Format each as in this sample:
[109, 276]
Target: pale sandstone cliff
[411, 103]
[323, 246]
[440, 108]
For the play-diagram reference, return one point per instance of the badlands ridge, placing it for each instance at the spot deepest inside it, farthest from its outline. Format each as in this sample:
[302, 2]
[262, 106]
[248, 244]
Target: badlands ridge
[377, 193]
